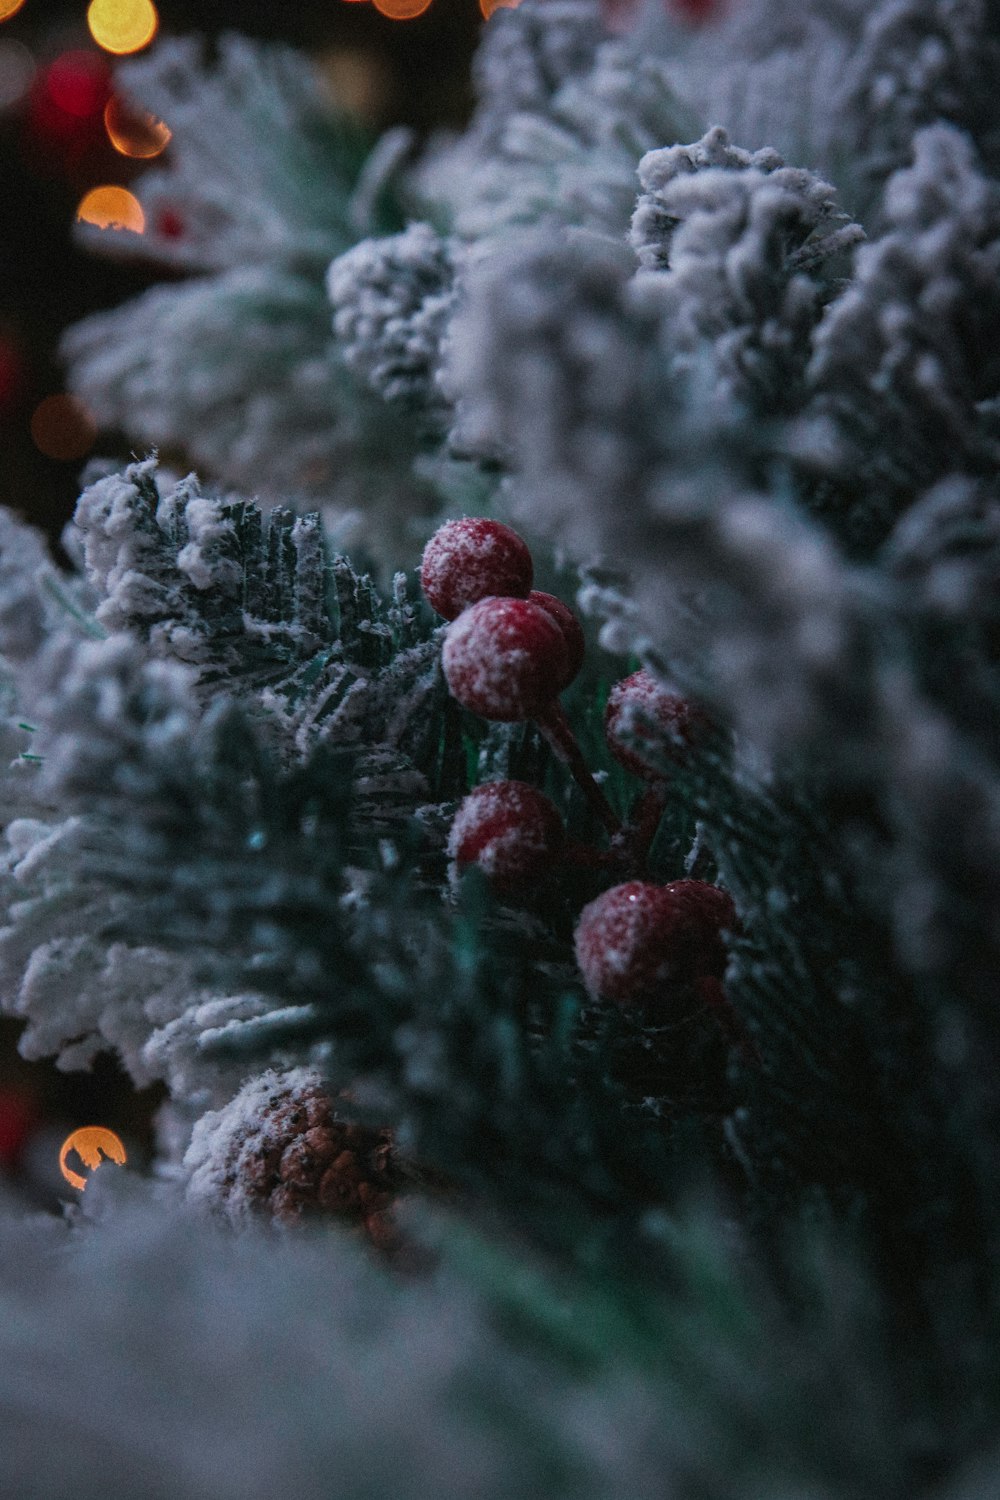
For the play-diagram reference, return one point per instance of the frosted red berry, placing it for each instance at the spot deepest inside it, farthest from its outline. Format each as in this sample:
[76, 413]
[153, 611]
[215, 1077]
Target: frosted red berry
[505, 659]
[642, 713]
[638, 941]
[509, 829]
[474, 559]
[572, 630]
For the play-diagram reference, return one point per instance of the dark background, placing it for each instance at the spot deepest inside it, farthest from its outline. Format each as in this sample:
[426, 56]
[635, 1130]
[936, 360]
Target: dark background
[414, 72]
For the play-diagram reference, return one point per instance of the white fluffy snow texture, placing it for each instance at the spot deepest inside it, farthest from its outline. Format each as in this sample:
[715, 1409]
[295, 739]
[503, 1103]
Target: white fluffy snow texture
[905, 355]
[564, 117]
[23, 564]
[392, 301]
[79, 990]
[240, 372]
[841, 86]
[150, 1355]
[811, 212]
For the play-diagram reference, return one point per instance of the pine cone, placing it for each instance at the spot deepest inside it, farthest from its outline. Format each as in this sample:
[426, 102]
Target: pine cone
[278, 1149]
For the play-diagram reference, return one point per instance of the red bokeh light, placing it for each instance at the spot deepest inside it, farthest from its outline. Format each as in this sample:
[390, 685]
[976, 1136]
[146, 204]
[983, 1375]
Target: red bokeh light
[78, 83]
[18, 1117]
[65, 115]
[11, 374]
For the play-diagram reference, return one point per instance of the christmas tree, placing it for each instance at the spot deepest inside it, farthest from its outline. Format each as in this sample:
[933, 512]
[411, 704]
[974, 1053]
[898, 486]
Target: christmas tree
[533, 799]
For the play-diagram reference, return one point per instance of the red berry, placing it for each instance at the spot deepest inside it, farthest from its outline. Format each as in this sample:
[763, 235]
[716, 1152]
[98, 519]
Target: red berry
[637, 940]
[641, 712]
[572, 630]
[695, 12]
[507, 828]
[474, 559]
[169, 224]
[505, 659]
[619, 15]
[18, 1116]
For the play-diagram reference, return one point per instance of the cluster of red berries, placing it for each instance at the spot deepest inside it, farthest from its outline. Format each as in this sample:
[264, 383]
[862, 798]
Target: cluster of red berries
[509, 652]
[513, 649]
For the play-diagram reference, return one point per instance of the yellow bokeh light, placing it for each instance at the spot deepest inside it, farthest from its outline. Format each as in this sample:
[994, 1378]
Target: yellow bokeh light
[93, 1144]
[489, 7]
[9, 8]
[402, 10]
[122, 26]
[111, 208]
[62, 428]
[133, 132]
[356, 80]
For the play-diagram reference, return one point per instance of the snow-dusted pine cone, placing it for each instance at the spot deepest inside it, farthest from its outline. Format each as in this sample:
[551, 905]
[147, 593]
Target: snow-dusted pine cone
[279, 1150]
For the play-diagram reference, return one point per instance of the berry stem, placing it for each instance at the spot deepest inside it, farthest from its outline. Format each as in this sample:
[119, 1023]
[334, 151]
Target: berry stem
[644, 820]
[586, 857]
[558, 733]
[730, 1022]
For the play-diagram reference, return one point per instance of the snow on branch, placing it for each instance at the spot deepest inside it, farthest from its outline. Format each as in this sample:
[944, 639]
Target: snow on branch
[392, 302]
[905, 360]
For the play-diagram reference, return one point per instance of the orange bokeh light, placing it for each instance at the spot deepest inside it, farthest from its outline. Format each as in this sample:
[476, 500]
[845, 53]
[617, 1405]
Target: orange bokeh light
[122, 26]
[62, 428]
[93, 1144]
[133, 132]
[490, 7]
[402, 10]
[9, 8]
[111, 207]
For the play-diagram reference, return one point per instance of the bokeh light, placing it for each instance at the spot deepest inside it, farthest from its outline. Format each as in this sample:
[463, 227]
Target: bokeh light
[134, 132]
[93, 1144]
[122, 26]
[62, 428]
[19, 1114]
[356, 80]
[402, 10]
[111, 207]
[9, 8]
[65, 114]
[17, 73]
[11, 374]
[77, 83]
[490, 7]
